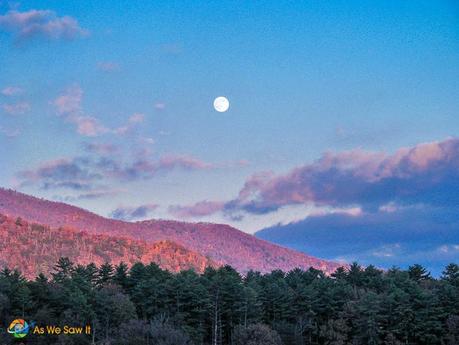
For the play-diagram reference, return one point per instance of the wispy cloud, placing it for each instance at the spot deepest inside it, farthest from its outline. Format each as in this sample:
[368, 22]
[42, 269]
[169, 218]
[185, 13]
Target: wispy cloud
[170, 162]
[102, 192]
[87, 173]
[88, 126]
[18, 108]
[69, 102]
[100, 148]
[149, 141]
[160, 106]
[75, 174]
[133, 213]
[200, 209]
[132, 122]
[10, 91]
[68, 105]
[41, 24]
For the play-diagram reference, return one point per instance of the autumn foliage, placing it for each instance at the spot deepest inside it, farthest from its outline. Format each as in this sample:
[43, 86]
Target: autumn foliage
[221, 243]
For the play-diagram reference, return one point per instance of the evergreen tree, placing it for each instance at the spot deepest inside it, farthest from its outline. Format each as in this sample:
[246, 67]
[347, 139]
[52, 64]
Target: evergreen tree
[418, 273]
[148, 305]
[451, 274]
[105, 274]
[62, 270]
[121, 275]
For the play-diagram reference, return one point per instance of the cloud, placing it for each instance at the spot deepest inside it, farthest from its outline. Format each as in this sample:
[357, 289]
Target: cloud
[11, 91]
[74, 174]
[16, 108]
[149, 141]
[41, 24]
[107, 66]
[137, 118]
[160, 106]
[69, 106]
[69, 102]
[101, 149]
[88, 125]
[426, 173]
[146, 168]
[387, 250]
[91, 172]
[95, 194]
[132, 122]
[170, 162]
[423, 234]
[133, 213]
[200, 209]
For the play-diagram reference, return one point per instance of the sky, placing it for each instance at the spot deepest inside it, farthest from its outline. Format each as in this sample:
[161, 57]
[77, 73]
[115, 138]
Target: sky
[342, 114]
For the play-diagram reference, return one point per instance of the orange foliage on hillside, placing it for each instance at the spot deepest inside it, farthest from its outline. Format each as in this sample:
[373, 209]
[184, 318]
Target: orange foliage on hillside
[35, 248]
[222, 243]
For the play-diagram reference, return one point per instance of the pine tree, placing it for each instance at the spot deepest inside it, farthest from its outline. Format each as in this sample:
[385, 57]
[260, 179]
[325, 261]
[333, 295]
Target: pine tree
[418, 273]
[121, 275]
[451, 274]
[62, 270]
[105, 274]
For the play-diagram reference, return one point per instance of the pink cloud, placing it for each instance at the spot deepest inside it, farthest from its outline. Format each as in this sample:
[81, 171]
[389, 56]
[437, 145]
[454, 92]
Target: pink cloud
[68, 105]
[86, 172]
[61, 173]
[137, 118]
[200, 209]
[88, 126]
[70, 101]
[11, 91]
[16, 108]
[362, 178]
[41, 23]
[185, 162]
[427, 173]
[147, 168]
[133, 120]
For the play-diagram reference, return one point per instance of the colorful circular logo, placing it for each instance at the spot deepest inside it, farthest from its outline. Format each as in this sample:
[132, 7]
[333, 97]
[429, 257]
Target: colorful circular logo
[19, 328]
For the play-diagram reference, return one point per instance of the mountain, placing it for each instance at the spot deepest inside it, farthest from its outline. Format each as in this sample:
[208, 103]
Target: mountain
[35, 248]
[221, 243]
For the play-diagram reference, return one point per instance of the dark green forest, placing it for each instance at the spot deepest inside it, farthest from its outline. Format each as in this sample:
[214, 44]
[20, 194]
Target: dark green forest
[147, 305]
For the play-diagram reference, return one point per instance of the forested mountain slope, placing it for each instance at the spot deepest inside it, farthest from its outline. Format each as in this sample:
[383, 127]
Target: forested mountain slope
[34, 248]
[221, 243]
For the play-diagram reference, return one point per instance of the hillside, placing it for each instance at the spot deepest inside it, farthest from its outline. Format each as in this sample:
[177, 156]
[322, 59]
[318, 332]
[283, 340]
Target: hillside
[222, 243]
[34, 248]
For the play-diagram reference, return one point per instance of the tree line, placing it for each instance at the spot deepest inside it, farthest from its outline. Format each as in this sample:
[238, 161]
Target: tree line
[144, 304]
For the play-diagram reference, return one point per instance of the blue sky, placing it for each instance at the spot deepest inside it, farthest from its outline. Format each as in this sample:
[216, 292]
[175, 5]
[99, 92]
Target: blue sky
[108, 105]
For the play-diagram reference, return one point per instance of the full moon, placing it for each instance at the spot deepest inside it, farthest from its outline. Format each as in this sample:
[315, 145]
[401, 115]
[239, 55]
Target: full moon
[221, 104]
